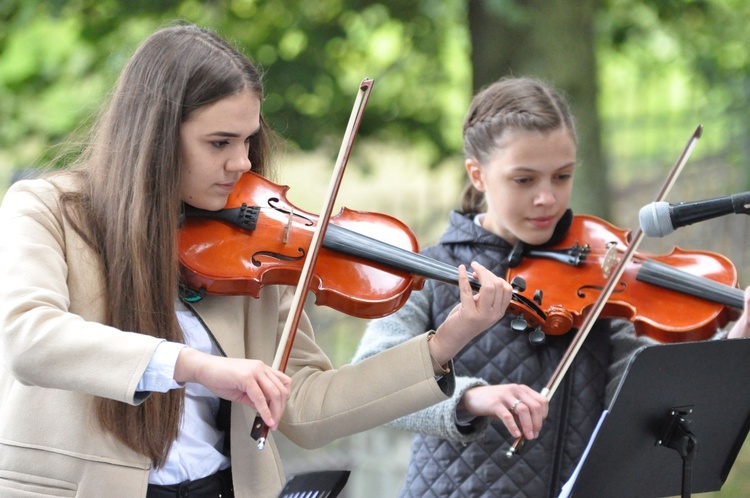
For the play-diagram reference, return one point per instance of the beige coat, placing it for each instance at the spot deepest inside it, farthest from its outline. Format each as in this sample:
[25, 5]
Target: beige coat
[57, 356]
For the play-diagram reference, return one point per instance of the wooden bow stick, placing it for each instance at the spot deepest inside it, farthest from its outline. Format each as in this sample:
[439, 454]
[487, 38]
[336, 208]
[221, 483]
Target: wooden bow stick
[260, 429]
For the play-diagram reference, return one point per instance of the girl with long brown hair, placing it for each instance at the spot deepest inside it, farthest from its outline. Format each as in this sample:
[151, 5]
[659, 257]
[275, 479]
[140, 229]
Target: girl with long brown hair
[112, 384]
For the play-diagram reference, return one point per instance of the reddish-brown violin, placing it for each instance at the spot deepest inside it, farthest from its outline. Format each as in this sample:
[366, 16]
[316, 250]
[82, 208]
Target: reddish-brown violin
[680, 296]
[367, 267]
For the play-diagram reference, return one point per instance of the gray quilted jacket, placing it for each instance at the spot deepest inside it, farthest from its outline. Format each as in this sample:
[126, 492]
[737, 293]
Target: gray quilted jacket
[459, 460]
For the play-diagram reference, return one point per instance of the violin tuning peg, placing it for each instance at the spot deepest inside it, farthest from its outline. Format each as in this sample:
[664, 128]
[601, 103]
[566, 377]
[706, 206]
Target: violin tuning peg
[519, 324]
[538, 296]
[537, 337]
[518, 284]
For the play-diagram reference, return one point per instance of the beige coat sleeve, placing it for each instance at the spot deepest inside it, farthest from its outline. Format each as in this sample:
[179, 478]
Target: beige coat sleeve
[325, 403]
[47, 341]
[329, 403]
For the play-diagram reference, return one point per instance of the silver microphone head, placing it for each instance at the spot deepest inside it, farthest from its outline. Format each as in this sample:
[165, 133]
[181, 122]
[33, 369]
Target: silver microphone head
[655, 219]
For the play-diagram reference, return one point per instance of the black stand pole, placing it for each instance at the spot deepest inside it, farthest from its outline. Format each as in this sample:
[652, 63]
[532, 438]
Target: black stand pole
[678, 437]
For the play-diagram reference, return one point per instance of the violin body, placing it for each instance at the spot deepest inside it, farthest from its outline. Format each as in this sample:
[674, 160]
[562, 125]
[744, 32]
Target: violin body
[224, 259]
[657, 311]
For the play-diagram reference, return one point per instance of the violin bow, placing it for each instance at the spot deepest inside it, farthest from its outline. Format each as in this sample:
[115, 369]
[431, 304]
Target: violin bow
[259, 430]
[617, 272]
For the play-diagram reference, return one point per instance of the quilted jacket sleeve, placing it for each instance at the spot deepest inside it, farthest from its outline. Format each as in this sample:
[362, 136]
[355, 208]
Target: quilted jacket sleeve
[409, 321]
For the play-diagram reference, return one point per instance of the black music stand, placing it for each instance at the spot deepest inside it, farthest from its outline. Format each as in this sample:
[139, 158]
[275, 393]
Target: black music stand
[322, 484]
[675, 426]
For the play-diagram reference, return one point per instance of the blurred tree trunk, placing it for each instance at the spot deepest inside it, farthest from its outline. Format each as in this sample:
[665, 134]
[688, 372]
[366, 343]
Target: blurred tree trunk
[552, 40]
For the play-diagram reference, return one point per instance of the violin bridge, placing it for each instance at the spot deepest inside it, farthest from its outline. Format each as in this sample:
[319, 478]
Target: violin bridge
[610, 259]
[288, 228]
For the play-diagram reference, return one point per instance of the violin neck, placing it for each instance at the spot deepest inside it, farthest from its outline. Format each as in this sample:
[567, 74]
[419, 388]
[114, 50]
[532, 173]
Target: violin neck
[668, 277]
[351, 243]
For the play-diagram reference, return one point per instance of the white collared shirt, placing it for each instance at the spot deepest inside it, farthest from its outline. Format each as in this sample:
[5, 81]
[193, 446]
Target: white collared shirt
[197, 451]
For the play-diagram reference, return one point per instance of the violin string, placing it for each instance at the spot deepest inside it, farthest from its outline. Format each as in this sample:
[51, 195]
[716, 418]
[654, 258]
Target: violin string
[356, 244]
[352, 243]
[349, 242]
[663, 275]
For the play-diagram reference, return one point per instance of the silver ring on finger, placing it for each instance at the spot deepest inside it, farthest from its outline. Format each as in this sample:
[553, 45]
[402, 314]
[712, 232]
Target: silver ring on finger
[514, 406]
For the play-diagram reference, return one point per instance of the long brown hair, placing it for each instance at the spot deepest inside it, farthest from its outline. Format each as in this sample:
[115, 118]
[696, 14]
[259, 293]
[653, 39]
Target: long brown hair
[129, 205]
[510, 103]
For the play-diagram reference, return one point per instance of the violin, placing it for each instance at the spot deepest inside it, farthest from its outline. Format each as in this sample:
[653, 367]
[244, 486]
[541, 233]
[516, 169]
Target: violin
[675, 297]
[260, 239]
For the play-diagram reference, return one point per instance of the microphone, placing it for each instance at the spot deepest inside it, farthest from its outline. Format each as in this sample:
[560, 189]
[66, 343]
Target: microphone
[660, 218]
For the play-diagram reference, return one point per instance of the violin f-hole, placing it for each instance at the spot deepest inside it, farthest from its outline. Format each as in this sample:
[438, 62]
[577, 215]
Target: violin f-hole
[277, 255]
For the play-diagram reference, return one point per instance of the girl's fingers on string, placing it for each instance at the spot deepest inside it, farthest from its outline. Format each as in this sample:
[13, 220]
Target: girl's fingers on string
[500, 292]
[466, 295]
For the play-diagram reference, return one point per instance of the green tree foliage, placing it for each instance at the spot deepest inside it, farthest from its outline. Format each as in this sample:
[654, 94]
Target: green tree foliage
[694, 52]
[553, 40]
[57, 61]
[58, 58]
